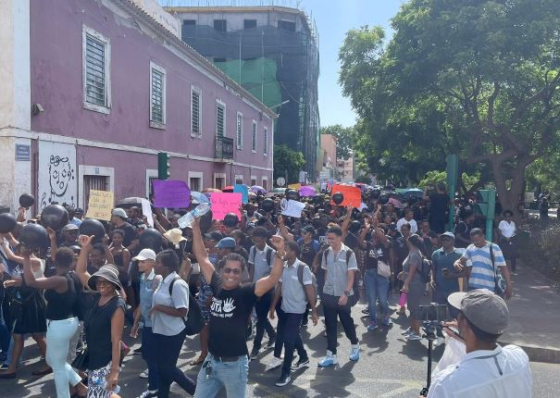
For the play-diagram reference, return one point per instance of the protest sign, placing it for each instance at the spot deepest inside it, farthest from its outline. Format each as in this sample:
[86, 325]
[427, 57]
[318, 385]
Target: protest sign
[243, 190]
[224, 203]
[147, 212]
[100, 205]
[295, 186]
[292, 208]
[171, 193]
[352, 195]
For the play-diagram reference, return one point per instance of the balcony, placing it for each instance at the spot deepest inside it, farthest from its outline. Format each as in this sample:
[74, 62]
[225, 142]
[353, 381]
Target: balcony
[224, 148]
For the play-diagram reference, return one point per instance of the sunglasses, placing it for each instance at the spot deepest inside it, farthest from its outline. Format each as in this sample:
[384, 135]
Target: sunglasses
[235, 271]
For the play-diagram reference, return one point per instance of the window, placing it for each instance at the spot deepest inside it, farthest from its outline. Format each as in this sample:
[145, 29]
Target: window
[253, 180]
[189, 22]
[157, 96]
[196, 106]
[239, 179]
[219, 180]
[249, 23]
[265, 183]
[96, 63]
[265, 139]
[220, 119]
[254, 137]
[196, 181]
[287, 25]
[239, 130]
[220, 25]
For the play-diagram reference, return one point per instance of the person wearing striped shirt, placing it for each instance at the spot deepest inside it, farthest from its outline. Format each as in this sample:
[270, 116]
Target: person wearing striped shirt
[487, 261]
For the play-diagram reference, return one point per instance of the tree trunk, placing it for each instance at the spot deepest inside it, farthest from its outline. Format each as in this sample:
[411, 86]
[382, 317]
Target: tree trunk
[509, 198]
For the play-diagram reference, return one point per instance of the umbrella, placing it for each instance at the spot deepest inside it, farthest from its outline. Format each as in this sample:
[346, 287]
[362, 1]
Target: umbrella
[127, 203]
[229, 188]
[210, 190]
[256, 189]
[395, 202]
[199, 197]
[307, 191]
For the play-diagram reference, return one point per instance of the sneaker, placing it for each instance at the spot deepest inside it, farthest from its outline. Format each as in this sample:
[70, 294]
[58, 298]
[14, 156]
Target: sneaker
[137, 351]
[274, 363]
[144, 374]
[149, 394]
[303, 362]
[372, 326]
[254, 353]
[283, 380]
[407, 332]
[413, 337]
[387, 321]
[355, 353]
[329, 360]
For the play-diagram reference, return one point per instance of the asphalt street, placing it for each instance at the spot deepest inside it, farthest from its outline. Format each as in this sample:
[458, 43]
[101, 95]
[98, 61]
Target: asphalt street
[389, 367]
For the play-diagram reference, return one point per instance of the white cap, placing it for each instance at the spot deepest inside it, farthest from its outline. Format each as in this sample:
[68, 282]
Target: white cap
[145, 254]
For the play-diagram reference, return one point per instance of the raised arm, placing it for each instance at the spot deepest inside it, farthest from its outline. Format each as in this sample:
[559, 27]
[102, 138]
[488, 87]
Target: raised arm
[54, 244]
[346, 222]
[200, 252]
[362, 236]
[81, 265]
[263, 285]
[283, 230]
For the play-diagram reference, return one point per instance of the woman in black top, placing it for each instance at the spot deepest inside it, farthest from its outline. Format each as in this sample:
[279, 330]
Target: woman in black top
[62, 323]
[104, 322]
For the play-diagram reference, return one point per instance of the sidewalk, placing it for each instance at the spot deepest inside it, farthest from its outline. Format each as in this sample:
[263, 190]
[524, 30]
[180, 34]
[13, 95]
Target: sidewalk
[534, 316]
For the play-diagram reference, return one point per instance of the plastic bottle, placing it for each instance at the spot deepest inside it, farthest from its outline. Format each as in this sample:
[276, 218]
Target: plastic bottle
[187, 220]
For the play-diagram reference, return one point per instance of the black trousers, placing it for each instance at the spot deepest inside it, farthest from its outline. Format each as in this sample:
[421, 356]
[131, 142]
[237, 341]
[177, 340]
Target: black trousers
[332, 312]
[169, 348]
[261, 308]
[288, 326]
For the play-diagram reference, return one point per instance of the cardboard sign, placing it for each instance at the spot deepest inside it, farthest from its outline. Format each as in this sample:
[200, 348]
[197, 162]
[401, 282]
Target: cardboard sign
[224, 203]
[352, 195]
[171, 193]
[243, 190]
[100, 205]
[292, 208]
[294, 186]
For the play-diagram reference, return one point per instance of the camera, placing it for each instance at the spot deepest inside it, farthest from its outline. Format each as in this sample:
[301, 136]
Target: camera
[432, 316]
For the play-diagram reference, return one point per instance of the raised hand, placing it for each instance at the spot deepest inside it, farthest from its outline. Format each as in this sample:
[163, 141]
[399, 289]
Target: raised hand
[278, 242]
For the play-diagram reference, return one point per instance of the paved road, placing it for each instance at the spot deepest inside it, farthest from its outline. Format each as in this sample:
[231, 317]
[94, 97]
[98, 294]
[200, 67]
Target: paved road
[389, 367]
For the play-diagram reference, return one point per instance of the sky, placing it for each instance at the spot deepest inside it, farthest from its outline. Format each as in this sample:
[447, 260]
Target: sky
[334, 18]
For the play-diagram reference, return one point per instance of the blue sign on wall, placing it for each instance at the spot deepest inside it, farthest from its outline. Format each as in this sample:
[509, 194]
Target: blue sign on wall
[23, 152]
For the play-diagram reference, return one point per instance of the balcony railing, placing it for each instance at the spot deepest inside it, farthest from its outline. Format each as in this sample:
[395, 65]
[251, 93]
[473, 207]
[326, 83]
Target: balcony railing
[224, 148]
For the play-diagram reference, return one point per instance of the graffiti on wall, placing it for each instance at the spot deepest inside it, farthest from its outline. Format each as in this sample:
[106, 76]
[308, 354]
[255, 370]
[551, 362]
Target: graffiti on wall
[57, 174]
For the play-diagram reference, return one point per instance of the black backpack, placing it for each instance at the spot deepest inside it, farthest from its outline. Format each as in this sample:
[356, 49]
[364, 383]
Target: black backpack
[194, 322]
[425, 269]
[353, 300]
[300, 270]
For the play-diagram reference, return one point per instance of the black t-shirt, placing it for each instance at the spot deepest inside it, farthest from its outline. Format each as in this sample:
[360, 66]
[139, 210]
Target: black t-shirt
[308, 251]
[229, 318]
[351, 241]
[375, 253]
[439, 206]
[129, 233]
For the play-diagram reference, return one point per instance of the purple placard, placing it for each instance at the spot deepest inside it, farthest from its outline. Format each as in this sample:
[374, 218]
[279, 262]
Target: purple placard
[171, 193]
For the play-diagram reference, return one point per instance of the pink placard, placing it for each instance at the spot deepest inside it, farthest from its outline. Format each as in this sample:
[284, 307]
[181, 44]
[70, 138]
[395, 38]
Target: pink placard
[224, 203]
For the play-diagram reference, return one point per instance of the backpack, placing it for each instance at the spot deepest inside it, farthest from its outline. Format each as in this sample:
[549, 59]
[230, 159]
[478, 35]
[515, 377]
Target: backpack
[268, 254]
[300, 278]
[194, 322]
[425, 270]
[353, 300]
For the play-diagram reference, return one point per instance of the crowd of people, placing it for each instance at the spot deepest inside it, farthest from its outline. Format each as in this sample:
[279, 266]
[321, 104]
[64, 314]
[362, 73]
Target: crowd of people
[261, 273]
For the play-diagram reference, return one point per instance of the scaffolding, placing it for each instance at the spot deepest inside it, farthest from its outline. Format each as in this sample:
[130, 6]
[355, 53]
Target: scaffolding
[278, 66]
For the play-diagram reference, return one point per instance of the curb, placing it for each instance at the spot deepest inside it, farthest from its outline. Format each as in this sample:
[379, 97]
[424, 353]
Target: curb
[538, 354]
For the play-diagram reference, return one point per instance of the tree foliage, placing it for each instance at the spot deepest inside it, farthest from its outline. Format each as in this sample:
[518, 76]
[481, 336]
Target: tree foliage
[434, 177]
[288, 161]
[479, 78]
[345, 137]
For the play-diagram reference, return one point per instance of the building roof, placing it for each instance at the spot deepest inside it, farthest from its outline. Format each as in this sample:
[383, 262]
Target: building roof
[199, 59]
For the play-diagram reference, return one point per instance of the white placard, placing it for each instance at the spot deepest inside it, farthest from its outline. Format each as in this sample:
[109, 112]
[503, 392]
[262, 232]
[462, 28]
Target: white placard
[147, 211]
[292, 208]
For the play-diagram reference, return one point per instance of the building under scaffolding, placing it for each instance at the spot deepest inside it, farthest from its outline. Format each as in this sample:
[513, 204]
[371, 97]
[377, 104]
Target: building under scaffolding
[272, 51]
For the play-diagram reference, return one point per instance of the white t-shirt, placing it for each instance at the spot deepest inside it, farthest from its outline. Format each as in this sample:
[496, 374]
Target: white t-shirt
[412, 222]
[507, 229]
[502, 372]
[162, 323]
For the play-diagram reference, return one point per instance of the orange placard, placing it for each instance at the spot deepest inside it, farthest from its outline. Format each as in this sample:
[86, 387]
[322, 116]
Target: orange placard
[352, 195]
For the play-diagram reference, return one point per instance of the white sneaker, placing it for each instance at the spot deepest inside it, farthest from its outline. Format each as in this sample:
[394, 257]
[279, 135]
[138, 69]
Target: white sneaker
[407, 332]
[144, 374]
[355, 353]
[274, 363]
[329, 360]
[149, 394]
[413, 337]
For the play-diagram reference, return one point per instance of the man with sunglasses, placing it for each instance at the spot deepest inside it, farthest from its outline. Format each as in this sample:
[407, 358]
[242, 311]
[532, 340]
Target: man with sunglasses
[445, 278]
[227, 364]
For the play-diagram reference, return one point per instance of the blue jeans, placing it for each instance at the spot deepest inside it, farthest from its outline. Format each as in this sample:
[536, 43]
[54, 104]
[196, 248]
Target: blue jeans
[231, 375]
[377, 288]
[59, 334]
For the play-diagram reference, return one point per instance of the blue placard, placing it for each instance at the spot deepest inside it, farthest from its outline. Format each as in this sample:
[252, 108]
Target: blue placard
[243, 190]
[23, 152]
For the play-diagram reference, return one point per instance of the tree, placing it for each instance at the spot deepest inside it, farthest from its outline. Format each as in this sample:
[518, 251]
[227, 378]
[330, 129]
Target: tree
[287, 161]
[345, 137]
[486, 73]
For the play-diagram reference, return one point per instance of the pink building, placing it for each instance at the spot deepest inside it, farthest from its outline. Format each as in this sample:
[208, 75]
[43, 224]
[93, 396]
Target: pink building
[96, 89]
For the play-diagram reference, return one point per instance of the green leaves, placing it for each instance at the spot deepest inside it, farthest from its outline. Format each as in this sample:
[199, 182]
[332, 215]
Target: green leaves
[287, 161]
